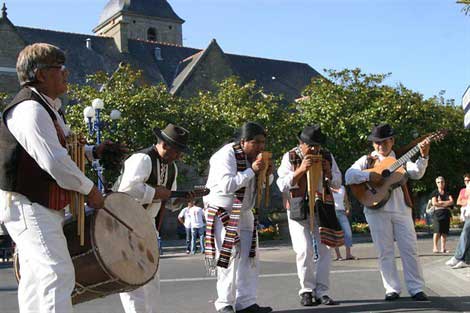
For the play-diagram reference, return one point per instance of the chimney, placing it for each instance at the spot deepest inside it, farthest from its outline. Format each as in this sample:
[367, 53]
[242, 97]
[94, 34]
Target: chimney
[88, 43]
[158, 54]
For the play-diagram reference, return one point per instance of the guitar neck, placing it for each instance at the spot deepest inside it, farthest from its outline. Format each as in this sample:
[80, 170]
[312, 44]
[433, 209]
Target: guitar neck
[405, 158]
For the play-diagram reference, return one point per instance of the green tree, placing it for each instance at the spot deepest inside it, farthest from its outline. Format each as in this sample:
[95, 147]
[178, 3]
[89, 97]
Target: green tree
[350, 102]
[466, 6]
[3, 97]
[214, 116]
[143, 108]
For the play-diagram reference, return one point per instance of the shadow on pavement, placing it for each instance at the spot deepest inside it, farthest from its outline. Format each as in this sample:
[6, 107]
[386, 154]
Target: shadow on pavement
[444, 304]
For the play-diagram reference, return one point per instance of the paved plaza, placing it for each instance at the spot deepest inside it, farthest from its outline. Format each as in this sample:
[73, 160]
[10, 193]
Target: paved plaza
[356, 284]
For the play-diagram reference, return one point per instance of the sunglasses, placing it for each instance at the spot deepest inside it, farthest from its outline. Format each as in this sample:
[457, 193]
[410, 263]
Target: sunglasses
[62, 67]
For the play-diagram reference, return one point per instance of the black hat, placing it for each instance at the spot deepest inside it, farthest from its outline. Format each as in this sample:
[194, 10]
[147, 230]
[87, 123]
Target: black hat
[381, 132]
[175, 136]
[312, 135]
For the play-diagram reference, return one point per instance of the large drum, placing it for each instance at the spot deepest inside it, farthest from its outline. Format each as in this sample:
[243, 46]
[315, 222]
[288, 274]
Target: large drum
[120, 252]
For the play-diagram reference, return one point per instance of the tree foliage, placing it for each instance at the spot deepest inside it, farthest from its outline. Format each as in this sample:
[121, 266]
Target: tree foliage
[350, 102]
[3, 97]
[143, 108]
[346, 104]
[213, 117]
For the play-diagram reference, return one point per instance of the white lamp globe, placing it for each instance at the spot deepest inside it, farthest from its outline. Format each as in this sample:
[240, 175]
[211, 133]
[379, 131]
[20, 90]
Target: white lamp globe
[97, 104]
[115, 115]
[88, 112]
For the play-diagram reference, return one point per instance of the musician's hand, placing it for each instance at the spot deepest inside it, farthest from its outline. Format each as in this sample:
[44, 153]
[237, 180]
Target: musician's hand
[258, 165]
[424, 147]
[110, 152]
[306, 163]
[95, 199]
[375, 178]
[161, 193]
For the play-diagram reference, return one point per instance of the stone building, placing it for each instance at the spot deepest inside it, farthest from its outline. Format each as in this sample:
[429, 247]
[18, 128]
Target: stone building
[148, 35]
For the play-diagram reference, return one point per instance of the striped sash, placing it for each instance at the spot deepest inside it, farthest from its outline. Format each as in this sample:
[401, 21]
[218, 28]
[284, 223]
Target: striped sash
[331, 233]
[230, 223]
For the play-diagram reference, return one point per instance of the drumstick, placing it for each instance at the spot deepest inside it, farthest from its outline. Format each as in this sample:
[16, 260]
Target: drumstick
[121, 221]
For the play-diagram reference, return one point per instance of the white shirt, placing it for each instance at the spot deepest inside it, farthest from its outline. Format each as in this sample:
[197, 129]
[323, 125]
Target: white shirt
[33, 128]
[184, 214]
[339, 198]
[224, 180]
[396, 203]
[196, 215]
[286, 175]
[137, 170]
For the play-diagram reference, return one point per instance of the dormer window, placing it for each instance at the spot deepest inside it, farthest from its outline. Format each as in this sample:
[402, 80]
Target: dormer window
[152, 34]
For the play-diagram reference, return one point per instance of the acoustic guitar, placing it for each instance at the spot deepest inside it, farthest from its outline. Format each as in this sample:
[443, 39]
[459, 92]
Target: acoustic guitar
[198, 192]
[373, 195]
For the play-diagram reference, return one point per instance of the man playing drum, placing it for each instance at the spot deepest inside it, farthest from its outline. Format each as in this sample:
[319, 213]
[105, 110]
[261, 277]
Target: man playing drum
[149, 177]
[292, 181]
[231, 238]
[35, 170]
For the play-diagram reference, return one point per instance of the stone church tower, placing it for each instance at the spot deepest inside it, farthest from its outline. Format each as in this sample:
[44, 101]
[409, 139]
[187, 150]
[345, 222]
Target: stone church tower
[152, 20]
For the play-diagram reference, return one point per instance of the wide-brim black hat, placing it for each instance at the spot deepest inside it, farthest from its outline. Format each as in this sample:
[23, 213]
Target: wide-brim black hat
[312, 135]
[381, 132]
[175, 136]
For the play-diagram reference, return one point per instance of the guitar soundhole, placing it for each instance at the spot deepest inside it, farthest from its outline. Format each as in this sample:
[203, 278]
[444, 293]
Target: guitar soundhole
[386, 173]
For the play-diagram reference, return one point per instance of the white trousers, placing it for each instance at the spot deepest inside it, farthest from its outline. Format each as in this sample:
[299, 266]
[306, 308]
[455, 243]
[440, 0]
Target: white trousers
[145, 299]
[236, 284]
[385, 227]
[46, 269]
[313, 277]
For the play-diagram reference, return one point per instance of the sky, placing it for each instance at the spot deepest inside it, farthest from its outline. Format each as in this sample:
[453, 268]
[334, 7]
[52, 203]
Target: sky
[424, 44]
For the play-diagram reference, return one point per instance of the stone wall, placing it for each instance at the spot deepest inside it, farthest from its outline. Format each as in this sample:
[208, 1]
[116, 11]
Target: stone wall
[11, 45]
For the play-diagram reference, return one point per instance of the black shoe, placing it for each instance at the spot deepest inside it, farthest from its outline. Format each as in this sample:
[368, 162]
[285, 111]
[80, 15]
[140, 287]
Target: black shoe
[226, 309]
[392, 296]
[326, 300]
[256, 309]
[306, 299]
[420, 296]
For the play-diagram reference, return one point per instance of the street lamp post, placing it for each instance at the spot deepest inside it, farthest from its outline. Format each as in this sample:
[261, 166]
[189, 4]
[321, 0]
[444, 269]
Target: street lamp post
[92, 116]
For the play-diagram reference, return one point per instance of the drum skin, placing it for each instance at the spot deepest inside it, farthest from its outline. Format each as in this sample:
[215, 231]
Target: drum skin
[120, 251]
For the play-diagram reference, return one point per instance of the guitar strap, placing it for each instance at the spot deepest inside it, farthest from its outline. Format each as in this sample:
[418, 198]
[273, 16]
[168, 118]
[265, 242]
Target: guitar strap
[372, 160]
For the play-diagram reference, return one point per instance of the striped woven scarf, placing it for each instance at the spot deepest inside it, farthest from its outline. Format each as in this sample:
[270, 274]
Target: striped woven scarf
[230, 224]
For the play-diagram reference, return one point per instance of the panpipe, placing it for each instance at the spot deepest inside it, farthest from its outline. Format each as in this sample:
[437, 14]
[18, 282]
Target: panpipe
[76, 149]
[263, 180]
[314, 175]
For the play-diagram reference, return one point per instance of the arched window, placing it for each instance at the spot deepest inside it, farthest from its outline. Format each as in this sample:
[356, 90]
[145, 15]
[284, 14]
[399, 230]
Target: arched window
[152, 34]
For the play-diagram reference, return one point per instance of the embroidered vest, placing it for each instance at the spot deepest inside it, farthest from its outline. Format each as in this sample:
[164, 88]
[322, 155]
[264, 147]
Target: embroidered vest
[370, 163]
[19, 172]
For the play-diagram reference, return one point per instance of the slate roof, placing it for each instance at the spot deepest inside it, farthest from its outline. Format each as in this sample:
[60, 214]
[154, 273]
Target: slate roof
[289, 77]
[149, 8]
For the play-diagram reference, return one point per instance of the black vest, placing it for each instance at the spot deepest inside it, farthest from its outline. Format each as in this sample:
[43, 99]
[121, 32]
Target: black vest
[19, 172]
[153, 178]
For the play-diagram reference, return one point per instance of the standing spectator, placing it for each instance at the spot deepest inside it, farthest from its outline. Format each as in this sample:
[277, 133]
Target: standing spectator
[185, 219]
[461, 252]
[196, 215]
[343, 208]
[443, 202]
